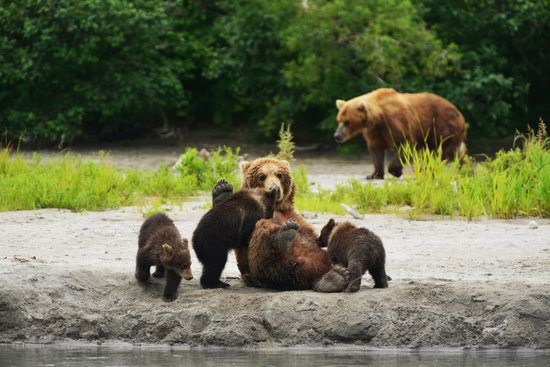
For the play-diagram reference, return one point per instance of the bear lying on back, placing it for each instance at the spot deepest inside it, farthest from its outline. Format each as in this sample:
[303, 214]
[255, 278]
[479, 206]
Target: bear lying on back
[160, 244]
[358, 249]
[229, 225]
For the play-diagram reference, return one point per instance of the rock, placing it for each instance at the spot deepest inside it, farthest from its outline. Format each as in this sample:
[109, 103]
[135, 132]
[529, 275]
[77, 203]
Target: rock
[204, 154]
[533, 225]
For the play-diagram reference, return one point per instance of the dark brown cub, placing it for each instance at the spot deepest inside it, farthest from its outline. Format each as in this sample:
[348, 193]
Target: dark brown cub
[358, 249]
[161, 245]
[229, 225]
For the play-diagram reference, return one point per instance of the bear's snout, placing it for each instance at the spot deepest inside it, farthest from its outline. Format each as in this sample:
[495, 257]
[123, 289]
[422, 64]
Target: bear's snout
[277, 189]
[337, 137]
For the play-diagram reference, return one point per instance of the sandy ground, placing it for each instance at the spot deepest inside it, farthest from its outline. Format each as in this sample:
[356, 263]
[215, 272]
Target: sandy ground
[69, 276]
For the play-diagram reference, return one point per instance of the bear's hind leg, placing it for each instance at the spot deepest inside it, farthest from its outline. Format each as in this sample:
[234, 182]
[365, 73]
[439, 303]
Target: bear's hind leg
[159, 271]
[171, 288]
[221, 191]
[242, 260]
[336, 280]
[378, 273]
[286, 235]
[212, 270]
[356, 273]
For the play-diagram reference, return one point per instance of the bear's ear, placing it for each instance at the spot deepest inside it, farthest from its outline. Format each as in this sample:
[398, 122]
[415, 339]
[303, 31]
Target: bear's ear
[167, 250]
[340, 103]
[362, 106]
[185, 242]
[244, 167]
[331, 222]
[285, 162]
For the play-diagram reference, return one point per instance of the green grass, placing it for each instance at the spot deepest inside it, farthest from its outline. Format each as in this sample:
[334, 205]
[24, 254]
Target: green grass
[78, 184]
[514, 183]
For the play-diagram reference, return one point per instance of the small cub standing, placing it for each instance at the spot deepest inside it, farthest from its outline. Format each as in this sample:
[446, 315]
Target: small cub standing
[358, 249]
[229, 225]
[160, 244]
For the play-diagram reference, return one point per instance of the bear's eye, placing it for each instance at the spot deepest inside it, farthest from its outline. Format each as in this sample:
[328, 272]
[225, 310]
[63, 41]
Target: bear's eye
[279, 175]
[262, 177]
[346, 123]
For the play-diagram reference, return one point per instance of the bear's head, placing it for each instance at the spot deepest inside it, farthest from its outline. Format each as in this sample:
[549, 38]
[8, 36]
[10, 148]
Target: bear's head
[352, 118]
[178, 259]
[324, 237]
[267, 173]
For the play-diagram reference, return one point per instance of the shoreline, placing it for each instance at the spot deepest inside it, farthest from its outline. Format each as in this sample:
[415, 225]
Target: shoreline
[68, 276]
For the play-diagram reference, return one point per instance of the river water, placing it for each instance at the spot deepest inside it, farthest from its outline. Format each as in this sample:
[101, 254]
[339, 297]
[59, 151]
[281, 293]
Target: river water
[55, 355]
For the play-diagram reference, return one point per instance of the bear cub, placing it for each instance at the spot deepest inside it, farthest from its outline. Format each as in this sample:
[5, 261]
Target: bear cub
[229, 225]
[358, 249]
[160, 244]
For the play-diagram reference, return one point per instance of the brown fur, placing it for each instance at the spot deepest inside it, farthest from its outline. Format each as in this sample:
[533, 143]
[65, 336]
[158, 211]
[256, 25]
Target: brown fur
[358, 249]
[161, 245]
[387, 119]
[268, 269]
[300, 267]
[265, 172]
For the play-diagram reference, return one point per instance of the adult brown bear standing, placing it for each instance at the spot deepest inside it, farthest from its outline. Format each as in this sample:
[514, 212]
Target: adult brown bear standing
[387, 119]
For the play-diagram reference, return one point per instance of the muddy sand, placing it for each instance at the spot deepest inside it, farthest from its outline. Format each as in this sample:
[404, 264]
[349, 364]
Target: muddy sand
[70, 276]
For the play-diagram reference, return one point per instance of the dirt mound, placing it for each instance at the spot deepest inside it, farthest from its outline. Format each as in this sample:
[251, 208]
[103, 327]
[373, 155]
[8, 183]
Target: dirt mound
[68, 276]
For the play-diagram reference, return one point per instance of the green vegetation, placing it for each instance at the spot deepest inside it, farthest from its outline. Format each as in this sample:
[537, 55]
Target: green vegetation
[122, 68]
[514, 183]
[77, 184]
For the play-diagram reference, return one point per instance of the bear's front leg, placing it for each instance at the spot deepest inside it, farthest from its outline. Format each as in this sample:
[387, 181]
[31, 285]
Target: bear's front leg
[221, 191]
[286, 235]
[378, 161]
[171, 288]
[143, 267]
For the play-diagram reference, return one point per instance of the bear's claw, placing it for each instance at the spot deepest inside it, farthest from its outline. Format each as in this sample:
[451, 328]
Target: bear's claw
[336, 280]
[286, 235]
[288, 225]
[221, 191]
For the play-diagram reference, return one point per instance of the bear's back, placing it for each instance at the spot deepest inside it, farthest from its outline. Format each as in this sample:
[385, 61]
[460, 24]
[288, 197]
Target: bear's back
[152, 225]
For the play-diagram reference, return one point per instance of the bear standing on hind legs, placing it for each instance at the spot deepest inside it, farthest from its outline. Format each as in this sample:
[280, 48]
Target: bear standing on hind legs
[229, 225]
[358, 249]
[387, 119]
[160, 244]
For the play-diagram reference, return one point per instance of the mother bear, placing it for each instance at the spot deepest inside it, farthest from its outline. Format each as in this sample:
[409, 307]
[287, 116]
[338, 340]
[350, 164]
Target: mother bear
[283, 252]
[387, 119]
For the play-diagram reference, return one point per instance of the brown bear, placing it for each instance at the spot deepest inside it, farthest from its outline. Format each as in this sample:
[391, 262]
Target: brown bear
[229, 225]
[311, 262]
[387, 119]
[275, 263]
[160, 244]
[358, 249]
